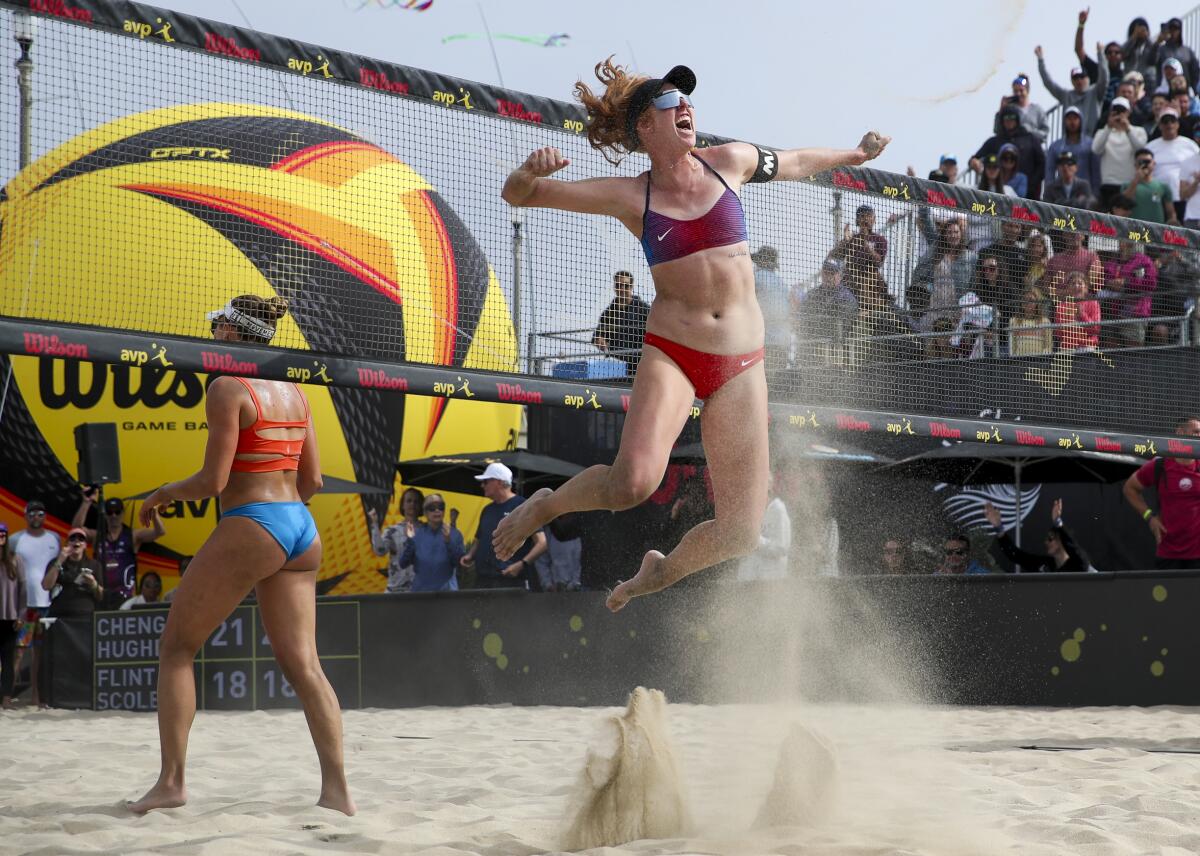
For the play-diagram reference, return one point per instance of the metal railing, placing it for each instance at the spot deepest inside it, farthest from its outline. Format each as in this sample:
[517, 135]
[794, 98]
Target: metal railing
[847, 348]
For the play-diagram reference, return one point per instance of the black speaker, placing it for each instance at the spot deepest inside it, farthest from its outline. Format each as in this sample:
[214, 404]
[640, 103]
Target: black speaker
[99, 456]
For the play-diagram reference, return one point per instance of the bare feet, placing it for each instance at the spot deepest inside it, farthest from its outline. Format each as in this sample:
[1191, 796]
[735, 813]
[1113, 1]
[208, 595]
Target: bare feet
[338, 799]
[523, 521]
[159, 796]
[647, 580]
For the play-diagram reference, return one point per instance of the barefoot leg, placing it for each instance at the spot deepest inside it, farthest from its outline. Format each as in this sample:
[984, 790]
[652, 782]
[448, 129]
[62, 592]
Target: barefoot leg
[648, 580]
[734, 426]
[660, 403]
[238, 553]
[287, 602]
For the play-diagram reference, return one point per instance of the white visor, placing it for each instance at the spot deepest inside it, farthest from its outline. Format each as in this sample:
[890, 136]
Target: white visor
[239, 318]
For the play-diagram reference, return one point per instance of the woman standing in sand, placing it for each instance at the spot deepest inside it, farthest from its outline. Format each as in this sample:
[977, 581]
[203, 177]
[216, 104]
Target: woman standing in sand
[704, 336]
[262, 461]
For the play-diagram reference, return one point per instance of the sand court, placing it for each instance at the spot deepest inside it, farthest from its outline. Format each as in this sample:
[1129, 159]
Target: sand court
[498, 780]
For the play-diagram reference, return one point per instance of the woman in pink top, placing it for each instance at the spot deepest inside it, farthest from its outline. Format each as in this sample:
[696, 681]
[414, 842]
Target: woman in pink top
[705, 330]
[1075, 306]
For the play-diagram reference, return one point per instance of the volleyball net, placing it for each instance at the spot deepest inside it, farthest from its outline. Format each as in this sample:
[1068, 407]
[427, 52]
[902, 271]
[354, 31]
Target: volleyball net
[157, 165]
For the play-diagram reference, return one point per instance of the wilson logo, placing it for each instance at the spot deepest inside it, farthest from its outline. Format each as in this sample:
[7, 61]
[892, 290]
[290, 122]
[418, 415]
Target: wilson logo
[379, 80]
[52, 346]
[212, 362]
[515, 392]
[379, 379]
[226, 46]
[1028, 438]
[941, 429]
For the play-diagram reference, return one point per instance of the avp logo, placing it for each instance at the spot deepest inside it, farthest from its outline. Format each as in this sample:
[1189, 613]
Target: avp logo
[573, 125]
[1146, 448]
[140, 358]
[578, 401]
[1072, 442]
[306, 67]
[304, 374]
[463, 99]
[902, 427]
[141, 29]
[802, 420]
[449, 389]
[992, 436]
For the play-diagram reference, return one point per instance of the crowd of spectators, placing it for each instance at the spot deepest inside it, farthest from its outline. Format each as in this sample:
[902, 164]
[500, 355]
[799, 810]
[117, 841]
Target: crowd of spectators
[982, 287]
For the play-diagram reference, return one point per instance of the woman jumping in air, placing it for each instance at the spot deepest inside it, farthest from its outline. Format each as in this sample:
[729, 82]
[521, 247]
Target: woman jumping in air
[704, 336]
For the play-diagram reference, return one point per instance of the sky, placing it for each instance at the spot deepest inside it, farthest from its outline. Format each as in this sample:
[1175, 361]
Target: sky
[928, 73]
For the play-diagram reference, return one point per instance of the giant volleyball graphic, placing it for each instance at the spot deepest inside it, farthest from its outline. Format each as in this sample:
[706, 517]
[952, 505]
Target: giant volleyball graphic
[151, 220]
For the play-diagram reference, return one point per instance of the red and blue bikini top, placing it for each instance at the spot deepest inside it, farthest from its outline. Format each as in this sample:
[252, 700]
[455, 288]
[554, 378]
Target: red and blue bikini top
[665, 239]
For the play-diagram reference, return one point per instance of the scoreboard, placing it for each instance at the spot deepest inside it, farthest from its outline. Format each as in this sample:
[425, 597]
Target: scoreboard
[235, 670]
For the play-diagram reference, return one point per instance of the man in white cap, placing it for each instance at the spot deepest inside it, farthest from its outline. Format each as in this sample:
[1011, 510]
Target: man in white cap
[490, 572]
[1170, 151]
[1084, 94]
[1115, 144]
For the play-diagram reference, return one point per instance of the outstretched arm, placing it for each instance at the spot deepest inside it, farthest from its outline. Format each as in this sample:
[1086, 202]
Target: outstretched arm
[757, 164]
[800, 163]
[529, 186]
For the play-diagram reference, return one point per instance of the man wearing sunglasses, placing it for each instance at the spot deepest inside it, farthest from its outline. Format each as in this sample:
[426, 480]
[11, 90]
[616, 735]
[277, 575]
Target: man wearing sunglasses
[1171, 149]
[1111, 61]
[78, 578]
[120, 547]
[956, 557]
[1152, 200]
[434, 549]
[516, 571]
[35, 547]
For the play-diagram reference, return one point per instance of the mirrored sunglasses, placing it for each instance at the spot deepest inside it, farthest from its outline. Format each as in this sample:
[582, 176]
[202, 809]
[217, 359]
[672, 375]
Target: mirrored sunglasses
[435, 506]
[671, 99]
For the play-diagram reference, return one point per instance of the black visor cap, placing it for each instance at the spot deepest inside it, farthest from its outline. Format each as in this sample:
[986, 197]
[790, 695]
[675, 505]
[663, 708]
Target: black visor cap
[681, 77]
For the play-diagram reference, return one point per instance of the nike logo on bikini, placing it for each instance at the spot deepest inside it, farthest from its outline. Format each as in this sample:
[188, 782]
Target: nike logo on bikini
[664, 234]
[748, 362]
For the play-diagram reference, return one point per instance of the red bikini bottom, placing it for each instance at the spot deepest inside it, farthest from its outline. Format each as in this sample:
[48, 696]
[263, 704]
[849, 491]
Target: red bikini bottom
[707, 372]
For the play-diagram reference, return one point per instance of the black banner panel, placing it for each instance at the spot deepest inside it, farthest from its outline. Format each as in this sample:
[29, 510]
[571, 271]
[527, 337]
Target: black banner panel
[1011, 639]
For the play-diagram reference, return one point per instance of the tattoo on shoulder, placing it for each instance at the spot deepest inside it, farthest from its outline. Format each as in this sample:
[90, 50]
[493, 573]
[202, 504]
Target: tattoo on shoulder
[739, 253]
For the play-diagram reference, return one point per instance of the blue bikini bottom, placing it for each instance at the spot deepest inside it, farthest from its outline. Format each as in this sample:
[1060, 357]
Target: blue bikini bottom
[289, 523]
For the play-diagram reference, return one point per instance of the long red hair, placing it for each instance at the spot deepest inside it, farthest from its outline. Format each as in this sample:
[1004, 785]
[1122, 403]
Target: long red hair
[609, 110]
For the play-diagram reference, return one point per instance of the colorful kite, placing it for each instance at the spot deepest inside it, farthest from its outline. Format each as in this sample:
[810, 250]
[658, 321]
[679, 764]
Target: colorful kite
[414, 5]
[554, 40]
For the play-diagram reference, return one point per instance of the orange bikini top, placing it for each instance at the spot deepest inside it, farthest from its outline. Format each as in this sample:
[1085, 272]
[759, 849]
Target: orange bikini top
[250, 442]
